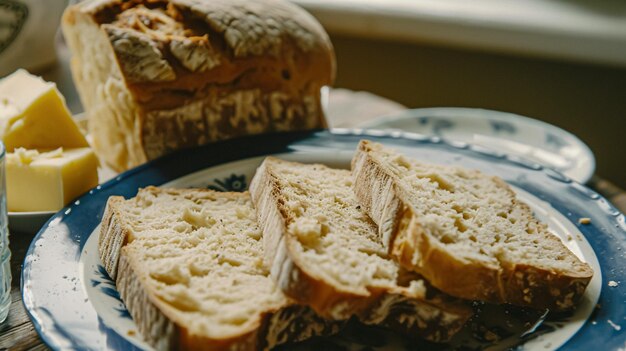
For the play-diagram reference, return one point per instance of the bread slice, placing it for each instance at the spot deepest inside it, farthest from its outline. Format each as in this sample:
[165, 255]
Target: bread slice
[324, 252]
[191, 272]
[465, 232]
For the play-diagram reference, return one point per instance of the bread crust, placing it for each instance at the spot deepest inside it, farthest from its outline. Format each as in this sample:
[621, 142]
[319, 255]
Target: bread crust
[404, 310]
[285, 269]
[156, 76]
[416, 250]
[112, 237]
[158, 325]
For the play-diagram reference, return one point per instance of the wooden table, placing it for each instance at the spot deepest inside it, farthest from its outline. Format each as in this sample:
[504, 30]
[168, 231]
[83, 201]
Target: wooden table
[346, 108]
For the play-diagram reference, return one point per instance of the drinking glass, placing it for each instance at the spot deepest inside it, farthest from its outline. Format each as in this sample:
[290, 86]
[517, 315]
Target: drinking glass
[5, 253]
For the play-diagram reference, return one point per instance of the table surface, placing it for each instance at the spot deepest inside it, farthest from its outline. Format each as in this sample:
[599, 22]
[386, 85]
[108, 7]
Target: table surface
[346, 108]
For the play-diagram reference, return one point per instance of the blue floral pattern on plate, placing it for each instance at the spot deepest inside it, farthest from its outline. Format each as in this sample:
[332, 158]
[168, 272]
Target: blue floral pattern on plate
[106, 285]
[438, 125]
[67, 319]
[555, 140]
[235, 182]
[535, 140]
[502, 126]
[14, 15]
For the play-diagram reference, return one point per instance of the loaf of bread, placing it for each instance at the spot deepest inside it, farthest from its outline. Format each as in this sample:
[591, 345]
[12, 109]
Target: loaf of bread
[324, 252]
[158, 75]
[189, 266]
[465, 232]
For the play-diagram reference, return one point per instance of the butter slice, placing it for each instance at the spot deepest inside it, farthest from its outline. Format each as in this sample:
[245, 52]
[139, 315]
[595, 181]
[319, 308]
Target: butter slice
[33, 115]
[47, 181]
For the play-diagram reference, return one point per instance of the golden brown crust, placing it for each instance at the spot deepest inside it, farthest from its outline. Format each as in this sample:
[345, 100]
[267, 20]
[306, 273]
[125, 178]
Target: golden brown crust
[295, 281]
[153, 324]
[415, 250]
[179, 73]
[163, 333]
[399, 309]
[227, 113]
[155, 319]
[112, 236]
[461, 279]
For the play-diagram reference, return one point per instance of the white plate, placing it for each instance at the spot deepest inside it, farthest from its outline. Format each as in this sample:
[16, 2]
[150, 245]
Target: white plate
[75, 305]
[534, 140]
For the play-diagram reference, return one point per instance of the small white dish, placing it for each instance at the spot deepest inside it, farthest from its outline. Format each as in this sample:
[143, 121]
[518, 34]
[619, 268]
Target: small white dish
[513, 134]
[28, 222]
[31, 222]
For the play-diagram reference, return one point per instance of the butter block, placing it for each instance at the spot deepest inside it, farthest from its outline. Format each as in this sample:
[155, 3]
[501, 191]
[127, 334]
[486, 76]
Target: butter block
[33, 115]
[47, 181]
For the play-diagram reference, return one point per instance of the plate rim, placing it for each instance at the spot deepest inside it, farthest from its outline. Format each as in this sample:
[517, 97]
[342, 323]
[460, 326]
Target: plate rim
[31, 213]
[287, 141]
[463, 112]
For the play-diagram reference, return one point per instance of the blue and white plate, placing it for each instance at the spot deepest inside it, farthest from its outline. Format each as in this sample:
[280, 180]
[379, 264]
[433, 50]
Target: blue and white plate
[75, 305]
[513, 134]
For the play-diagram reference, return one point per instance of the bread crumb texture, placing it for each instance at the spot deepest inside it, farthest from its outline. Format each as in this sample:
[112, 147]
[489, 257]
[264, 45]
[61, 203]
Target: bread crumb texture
[477, 216]
[333, 234]
[199, 253]
[476, 221]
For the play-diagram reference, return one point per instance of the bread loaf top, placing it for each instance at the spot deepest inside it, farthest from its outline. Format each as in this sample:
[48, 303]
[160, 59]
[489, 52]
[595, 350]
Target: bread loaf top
[169, 49]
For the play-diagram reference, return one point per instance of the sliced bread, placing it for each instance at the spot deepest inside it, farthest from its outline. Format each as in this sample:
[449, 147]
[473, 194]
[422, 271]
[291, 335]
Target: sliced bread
[189, 266]
[324, 252]
[466, 232]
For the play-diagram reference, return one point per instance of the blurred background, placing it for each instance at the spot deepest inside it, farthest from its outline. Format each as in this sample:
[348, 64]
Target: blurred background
[562, 62]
